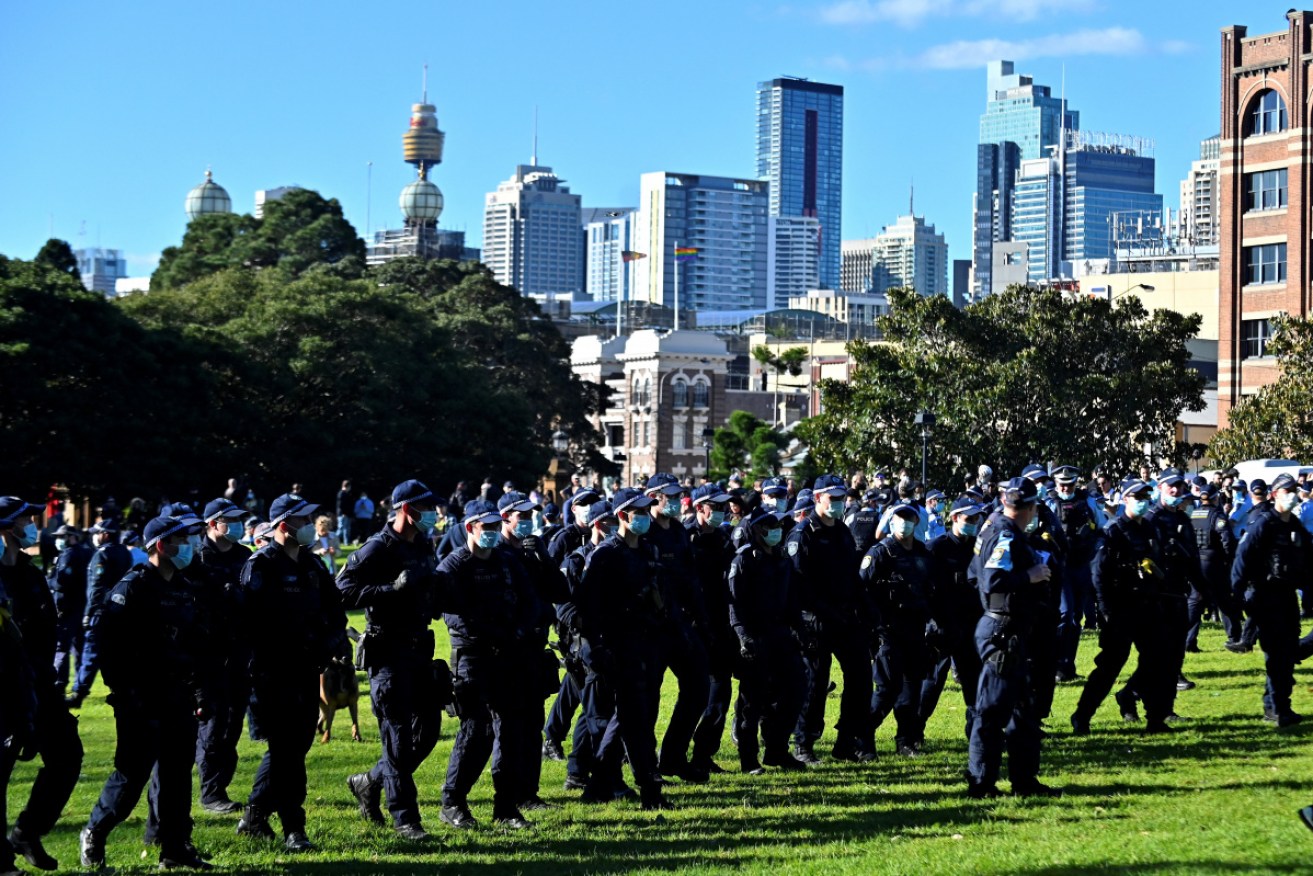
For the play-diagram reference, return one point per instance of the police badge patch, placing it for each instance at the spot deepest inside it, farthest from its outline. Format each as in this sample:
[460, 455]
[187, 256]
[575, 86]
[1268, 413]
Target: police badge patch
[867, 561]
[792, 549]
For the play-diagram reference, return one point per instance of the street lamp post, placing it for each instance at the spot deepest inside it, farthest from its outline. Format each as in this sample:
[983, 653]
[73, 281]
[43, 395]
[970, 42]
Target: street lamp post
[707, 435]
[926, 422]
[1145, 286]
[560, 444]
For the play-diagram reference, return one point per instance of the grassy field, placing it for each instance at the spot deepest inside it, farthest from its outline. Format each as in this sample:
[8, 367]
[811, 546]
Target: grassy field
[1218, 797]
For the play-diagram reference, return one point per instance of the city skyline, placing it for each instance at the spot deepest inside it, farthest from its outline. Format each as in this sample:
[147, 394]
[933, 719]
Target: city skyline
[153, 118]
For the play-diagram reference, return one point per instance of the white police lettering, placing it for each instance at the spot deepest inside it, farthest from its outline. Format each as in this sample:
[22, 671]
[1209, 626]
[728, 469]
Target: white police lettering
[1001, 558]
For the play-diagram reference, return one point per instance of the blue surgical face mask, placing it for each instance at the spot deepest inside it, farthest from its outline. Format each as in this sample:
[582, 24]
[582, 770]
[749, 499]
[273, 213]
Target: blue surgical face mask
[772, 536]
[1043, 490]
[427, 520]
[182, 559]
[640, 525]
[836, 508]
[902, 527]
[27, 536]
[1172, 501]
[672, 509]
[1287, 502]
[523, 528]
[1033, 524]
[489, 539]
[1064, 495]
[717, 518]
[970, 528]
[61, 544]
[233, 533]
[1138, 507]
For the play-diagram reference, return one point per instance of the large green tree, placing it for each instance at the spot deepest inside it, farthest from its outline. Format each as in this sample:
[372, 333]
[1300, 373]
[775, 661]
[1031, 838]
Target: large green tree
[747, 444]
[1025, 376]
[1275, 422]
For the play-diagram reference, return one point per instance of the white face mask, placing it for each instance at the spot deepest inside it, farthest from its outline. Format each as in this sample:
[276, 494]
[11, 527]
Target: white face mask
[901, 527]
[1287, 502]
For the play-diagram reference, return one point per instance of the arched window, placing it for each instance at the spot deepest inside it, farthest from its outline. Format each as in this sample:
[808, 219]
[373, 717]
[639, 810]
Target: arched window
[680, 393]
[647, 390]
[636, 391]
[701, 395]
[1267, 114]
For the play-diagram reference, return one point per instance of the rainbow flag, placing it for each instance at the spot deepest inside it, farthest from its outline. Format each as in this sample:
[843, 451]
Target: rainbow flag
[685, 253]
[629, 255]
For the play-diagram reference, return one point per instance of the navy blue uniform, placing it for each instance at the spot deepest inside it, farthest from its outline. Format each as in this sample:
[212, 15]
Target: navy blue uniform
[955, 612]
[28, 627]
[765, 618]
[296, 625]
[1005, 707]
[154, 646]
[863, 523]
[1216, 543]
[897, 584]
[491, 612]
[1079, 523]
[566, 541]
[580, 762]
[105, 569]
[1271, 562]
[68, 587]
[1182, 577]
[825, 561]
[398, 656]
[712, 555]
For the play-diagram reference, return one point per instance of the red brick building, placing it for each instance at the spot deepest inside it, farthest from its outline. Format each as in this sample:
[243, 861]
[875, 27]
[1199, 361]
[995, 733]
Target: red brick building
[1265, 197]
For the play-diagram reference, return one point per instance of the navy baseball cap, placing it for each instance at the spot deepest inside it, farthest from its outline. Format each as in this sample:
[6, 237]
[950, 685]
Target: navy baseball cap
[1135, 488]
[129, 537]
[12, 508]
[222, 508]
[1066, 474]
[1170, 476]
[550, 510]
[803, 501]
[163, 527]
[903, 509]
[934, 494]
[585, 496]
[514, 501]
[600, 510]
[1239, 485]
[1208, 491]
[966, 506]
[1283, 482]
[290, 505]
[1019, 492]
[976, 495]
[710, 493]
[829, 485]
[109, 524]
[1306, 486]
[1199, 481]
[264, 531]
[661, 482]
[761, 516]
[411, 492]
[1034, 472]
[481, 511]
[630, 499]
[775, 487]
[870, 495]
[1258, 486]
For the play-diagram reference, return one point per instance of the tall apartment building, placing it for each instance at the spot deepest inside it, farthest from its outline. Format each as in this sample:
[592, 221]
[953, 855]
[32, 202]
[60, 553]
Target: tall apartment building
[608, 233]
[906, 254]
[723, 219]
[101, 268]
[1199, 195]
[1263, 195]
[800, 152]
[793, 257]
[531, 236]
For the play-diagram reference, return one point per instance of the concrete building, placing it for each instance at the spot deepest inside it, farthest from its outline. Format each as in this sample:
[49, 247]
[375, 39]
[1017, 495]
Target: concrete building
[724, 219]
[101, 268]
[858, 259]
[531, 236]
[266, 196]
[1264, 211]
[800, 153]
[910, 254]
[859, 311]
[793, 253]
[1199, 194]
[608, 233]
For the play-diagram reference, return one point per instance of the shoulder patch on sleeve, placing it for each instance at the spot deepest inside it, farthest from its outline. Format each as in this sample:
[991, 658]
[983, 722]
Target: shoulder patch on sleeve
[867, 561]
[1001, 556]
[792, 548]
[118, 599]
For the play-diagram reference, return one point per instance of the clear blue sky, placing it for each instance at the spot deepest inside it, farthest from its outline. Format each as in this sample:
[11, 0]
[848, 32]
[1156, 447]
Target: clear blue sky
[109, 113]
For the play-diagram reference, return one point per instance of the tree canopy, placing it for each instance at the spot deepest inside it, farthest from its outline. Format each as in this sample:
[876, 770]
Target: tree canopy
[1025, 376]
[747, 444]
[1275, 422]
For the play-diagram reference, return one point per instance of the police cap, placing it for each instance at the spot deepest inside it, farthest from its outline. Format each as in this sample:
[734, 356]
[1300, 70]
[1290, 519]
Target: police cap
[479, 511]
[1019, 492]
[1066, 474]
[1283, 482]
[163, 527]
[1258, 487]
[965, 505]
[663, 482]
[222, 508]
[109, 524]
[514, 501]
[1034, 472]
[12, 508]
[906, 511]
[829, 485]
[599, 510]
[1170, 476]
[129, 537]
[710, 494]
[630, 499]
[761, 517]
[934, 494]
[411, 492]
[774, 487]
[1135, 488]
[290, 505]
[803, 501]
[585, 497]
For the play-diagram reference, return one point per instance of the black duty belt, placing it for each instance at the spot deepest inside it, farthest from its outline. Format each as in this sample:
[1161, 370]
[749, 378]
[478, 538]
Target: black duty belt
[998, 615]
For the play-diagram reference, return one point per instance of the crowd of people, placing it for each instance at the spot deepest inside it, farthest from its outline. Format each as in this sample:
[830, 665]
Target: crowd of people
[201, 623]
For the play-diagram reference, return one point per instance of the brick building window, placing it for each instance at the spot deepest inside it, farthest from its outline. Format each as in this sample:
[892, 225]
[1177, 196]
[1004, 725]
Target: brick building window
[1267, 115]
[701, 395]
[679, 437]
[1254, 335]
[1266, 190]
[1265, 264]
[680, 394]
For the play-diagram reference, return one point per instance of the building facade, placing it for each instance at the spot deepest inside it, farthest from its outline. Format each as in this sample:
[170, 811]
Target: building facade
[1199, 195]
[531, 238]
[910, 254]
[101, 268]
[800, 153]
[793, 255]
[608, 233]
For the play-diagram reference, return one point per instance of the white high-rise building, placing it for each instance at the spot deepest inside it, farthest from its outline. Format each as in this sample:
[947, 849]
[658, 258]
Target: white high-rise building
[608, 232]
[266, 196]
[793, 258]
[909, 253]
[1199, 195]
[101, 268]
[531, 236]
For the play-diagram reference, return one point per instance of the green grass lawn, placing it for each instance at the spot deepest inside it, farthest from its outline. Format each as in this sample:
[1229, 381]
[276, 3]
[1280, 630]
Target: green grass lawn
[1218, 797]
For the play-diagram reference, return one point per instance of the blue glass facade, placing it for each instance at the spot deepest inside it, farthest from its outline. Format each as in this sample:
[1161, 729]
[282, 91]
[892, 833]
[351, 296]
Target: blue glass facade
[1098, 184]
[800, 152]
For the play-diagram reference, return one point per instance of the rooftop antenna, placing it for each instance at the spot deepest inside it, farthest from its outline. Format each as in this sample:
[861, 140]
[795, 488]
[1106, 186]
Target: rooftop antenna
[533, 159]
[911, 199]
[426, 83]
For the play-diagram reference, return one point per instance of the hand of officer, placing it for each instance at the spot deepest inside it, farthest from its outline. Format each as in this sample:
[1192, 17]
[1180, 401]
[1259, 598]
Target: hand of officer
[747, 648]
[1039, 573]
[401, 582]
[204, 708]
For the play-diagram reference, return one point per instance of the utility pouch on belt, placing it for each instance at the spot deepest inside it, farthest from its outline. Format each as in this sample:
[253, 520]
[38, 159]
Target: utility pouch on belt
[442, 687]
[549, 673]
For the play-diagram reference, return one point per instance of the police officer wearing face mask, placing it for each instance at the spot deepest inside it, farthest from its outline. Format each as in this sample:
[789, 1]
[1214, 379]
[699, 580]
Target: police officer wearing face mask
[765, 618]
[106, 568]
[775, 493]
[712, 555]
[294, 617]
[492, 613]
[36, 720]
[954, 610]
[1081, 521]
[1271, 561]
[1216, 543]
[1045, 534]
[68, 588]
[621, 614]
[1013, 580]
[549, 589]
[1128, 578]
[863, 520]
[154, 645]
[575, 532]
[825, 561]
[895, 575]
[393, 578]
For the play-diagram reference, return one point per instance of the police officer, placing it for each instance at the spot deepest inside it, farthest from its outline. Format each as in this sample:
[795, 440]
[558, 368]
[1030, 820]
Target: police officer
[1046, 535]
[154, 648]
[825, 561]
[1081, 521]
[621, 614]
[765, 617]
[775, 495]
[954, 611]
[862, 522]
[1013, 582]
[1127, 577]
[106, 568]
[1180, 566]
[51, 730]
[68, 588]
[491, 611]
[933, 517]
[294, 618]
[1271, 561]
[393, 578]
[549, 589]
[1216, 543]
[895, 575]
[573, 534]
[711, 556]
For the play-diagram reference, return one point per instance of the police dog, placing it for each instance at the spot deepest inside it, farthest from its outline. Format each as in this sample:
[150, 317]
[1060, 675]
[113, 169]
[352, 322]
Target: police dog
[338, 689]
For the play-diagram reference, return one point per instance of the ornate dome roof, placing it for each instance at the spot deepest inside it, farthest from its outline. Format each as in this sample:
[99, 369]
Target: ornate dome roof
[208, 197]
